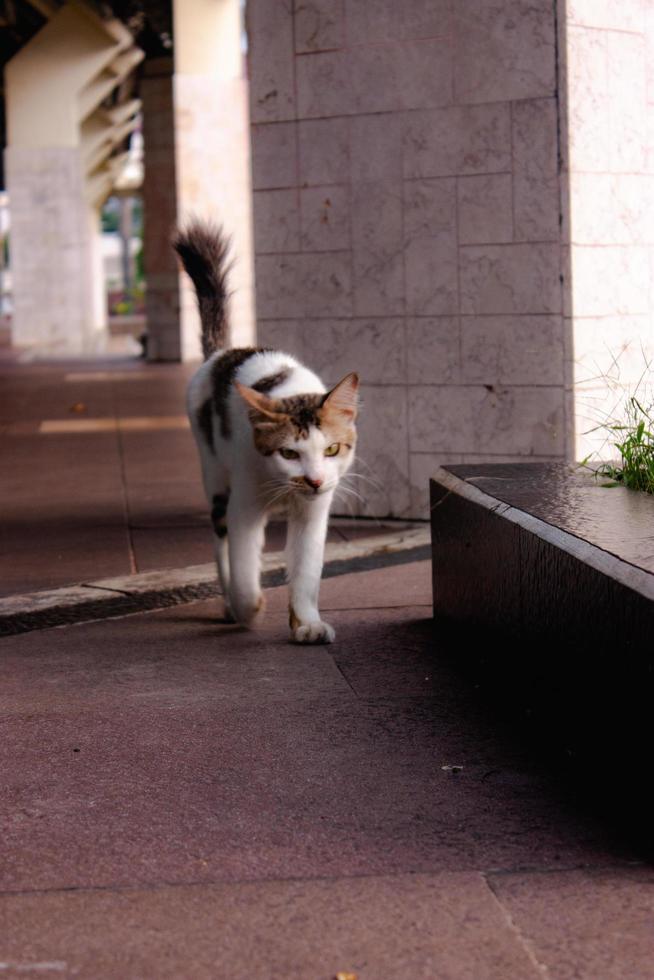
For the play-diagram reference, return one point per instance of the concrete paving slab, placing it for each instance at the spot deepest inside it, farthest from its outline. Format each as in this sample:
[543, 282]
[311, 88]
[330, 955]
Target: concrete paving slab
[160, 456]
[161, 748]
[378, 588]
[60, 555]
[135, 793]
[158, 503]
[66, 507]
[30, 395]
[586, 923]
[82, 460]
[414, 926]
[159, 547]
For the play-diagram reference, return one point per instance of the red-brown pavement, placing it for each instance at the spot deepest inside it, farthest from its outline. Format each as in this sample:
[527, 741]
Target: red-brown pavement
[185, 799]
[115, 501]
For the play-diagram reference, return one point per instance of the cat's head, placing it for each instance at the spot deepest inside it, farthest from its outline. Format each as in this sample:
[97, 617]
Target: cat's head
[307, 440]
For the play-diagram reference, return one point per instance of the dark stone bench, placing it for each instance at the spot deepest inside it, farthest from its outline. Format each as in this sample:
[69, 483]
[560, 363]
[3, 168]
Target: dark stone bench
[544, 581]
[544, 550]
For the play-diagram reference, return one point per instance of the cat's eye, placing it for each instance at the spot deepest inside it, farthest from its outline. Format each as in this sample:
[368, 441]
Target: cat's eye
[333, 450]
[289, 454]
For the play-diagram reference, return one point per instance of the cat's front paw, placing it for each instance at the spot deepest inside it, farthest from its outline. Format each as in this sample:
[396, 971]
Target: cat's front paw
[316, 632]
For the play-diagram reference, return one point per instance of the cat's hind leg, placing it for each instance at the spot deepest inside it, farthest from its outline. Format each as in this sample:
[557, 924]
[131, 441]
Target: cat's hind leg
[247, 525]
[219, 503]
[215, 474]
[216, 487]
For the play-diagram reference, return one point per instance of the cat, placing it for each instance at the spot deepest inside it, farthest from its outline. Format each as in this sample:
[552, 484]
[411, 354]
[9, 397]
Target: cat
[269, 436]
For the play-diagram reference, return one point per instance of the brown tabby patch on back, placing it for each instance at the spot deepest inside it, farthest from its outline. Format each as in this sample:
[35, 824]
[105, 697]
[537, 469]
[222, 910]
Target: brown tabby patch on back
[264, 385]
[222, 375]
[205, 422]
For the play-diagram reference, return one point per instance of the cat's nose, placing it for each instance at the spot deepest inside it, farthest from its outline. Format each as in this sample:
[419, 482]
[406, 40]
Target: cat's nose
[314, 484]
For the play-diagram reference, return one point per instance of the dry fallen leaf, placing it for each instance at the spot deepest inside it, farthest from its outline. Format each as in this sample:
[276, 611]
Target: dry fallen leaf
[346, 976]
[78, 407]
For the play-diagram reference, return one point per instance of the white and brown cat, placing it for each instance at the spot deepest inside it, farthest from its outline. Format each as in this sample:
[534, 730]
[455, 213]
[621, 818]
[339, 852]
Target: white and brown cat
[270, 436]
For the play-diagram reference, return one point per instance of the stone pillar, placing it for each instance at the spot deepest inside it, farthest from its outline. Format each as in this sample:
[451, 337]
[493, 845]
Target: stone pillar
[50, 245]
[213, 148]
[197, 163]
[162, 294]
[406, 218]
[60, 168]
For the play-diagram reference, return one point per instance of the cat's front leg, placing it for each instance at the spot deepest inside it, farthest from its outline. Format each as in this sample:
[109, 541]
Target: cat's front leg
[305, 548]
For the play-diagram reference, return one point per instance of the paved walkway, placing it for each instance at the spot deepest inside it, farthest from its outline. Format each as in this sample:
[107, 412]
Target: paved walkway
[184, 799]
[99, 475]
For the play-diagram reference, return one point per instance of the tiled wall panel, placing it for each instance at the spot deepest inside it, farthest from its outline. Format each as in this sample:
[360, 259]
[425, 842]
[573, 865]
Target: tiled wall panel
[405, 162]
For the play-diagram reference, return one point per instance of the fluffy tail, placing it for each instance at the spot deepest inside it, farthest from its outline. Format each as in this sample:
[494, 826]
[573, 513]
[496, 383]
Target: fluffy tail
[203, 250]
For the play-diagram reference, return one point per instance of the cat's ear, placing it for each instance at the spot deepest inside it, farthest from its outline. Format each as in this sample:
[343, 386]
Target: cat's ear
[344, 397]
[261, 408]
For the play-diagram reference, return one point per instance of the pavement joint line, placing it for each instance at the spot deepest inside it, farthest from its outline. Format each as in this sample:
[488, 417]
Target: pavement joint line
[124, 595]
[89, 585]
[228, 882]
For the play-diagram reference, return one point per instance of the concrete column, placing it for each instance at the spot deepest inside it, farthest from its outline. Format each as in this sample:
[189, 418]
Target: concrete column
[197, 163]
[50, 251]
[212, 148]
[160, 212]
[61, 165]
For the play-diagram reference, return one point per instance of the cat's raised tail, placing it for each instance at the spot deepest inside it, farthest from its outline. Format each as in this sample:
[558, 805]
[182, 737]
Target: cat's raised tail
[203, 249]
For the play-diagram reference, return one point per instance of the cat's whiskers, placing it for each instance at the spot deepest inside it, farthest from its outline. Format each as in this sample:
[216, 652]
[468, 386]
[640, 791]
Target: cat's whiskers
[348, 477]
[273, 492]
[273, 483]
[351, 492]
[362, 476]
[347, 500]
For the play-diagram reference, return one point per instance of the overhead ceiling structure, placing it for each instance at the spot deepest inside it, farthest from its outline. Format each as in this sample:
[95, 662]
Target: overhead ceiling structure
[80, 100]
[143, 24]
[149, 21]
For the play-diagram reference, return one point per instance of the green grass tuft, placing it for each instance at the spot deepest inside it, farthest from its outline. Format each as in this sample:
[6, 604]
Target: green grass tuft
[634, 440]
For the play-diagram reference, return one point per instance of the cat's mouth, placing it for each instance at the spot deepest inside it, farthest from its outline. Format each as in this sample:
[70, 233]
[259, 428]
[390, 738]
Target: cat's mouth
[308, 491]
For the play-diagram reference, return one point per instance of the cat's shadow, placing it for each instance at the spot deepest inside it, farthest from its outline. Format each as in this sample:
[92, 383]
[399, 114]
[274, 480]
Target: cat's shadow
[209, 621]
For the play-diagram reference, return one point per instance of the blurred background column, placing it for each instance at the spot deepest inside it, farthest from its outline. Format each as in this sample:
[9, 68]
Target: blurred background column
[213, 147]
[197, 162]
[66, 114]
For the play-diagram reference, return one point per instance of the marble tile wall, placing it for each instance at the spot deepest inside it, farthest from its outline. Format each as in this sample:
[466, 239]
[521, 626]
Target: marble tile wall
[406, 213]
[608, 60]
